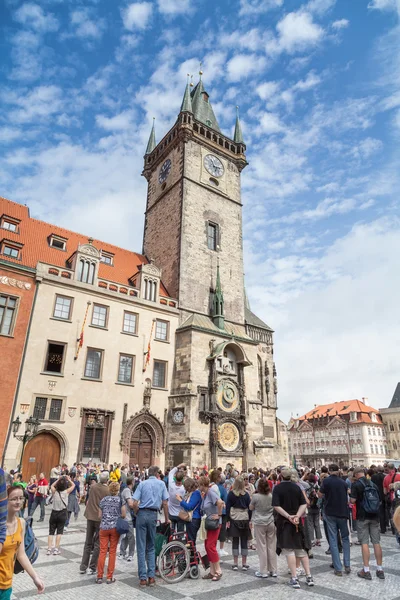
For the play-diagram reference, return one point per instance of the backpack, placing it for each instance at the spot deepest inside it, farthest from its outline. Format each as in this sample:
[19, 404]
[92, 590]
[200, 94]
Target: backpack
[371, 501]
[313, 496]
[31, 546]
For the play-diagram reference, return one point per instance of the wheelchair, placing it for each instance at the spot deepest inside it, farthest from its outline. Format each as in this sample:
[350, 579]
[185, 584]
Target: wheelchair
[178, 558]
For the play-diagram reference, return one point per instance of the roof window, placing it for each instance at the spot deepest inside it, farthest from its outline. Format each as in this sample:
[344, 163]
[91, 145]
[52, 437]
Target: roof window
[9, 223]
[55, 241]
[107, 258]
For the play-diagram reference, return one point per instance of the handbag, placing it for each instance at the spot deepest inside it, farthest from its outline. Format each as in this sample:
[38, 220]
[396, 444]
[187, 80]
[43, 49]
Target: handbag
[122, 526]
[211, 524]
[186, 515]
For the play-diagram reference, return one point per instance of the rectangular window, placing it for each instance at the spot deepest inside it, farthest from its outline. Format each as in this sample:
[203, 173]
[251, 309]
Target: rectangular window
[39, 411]
[372, 449]
[93, 363]
[58, 243]
[10, 251]
[92, 445]
[8, 306]
[62, 308]
[130, 322]
[99, 315]
[381, 449]
[376, 449]
[159, 374]
[55, 357]
[212, 236]
[162, 330]
[9, 225]
[106, 258]
[125, 368]
[55, 409]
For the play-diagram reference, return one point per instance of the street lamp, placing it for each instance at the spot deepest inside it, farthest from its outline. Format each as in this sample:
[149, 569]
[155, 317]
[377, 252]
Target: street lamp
[31, 428]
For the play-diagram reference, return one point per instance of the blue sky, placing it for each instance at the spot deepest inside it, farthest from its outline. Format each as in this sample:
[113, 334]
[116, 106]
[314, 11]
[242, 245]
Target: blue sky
[318, 85]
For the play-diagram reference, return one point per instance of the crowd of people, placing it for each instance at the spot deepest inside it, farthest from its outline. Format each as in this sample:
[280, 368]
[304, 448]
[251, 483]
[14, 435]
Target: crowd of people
[274, 512]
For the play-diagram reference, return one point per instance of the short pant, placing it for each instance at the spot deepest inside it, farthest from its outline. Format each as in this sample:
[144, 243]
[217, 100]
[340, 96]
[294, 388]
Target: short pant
[368, 529]
[5, 594]
[57, 521]
[297, 552]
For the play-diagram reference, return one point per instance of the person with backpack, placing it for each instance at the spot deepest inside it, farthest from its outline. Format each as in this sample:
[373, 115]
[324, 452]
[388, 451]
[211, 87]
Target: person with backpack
[14, 546]
[365, 495]
[60, 490]
[314, 513]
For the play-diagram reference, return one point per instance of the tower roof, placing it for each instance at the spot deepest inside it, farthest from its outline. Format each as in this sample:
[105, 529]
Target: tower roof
[202, 109]
[395, 403]
[151, 144]
[186, 105]
[238, 136]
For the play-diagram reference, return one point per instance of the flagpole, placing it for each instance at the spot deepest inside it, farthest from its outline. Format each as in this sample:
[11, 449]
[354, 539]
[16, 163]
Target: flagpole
[80, 338]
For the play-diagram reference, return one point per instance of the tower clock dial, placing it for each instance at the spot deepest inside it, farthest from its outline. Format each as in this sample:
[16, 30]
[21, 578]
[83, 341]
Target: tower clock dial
[177, 416]
[213, 165]
[164, 171]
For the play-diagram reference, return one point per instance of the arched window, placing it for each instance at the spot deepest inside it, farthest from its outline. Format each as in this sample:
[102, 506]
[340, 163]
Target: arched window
[80, 270]
[92, 269]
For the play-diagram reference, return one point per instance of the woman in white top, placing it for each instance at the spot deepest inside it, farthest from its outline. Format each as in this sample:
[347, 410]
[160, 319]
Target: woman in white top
[60, 490]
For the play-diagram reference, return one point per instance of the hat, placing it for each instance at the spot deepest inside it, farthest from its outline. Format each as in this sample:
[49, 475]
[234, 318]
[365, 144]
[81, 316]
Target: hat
[286, 473]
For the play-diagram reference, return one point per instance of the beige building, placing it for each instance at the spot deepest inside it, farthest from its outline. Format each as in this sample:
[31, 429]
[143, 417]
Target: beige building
[346, 433]
[391, 420]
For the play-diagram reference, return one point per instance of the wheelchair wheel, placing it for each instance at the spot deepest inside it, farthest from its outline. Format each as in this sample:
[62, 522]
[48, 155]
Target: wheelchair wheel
[194, 572]
[174, 562]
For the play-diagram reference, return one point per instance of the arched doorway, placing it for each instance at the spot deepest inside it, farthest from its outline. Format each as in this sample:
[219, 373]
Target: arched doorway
[141, 449]
[41, 454]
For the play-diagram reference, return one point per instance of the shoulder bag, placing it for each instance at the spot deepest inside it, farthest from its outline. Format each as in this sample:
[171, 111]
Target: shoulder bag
[186, 515]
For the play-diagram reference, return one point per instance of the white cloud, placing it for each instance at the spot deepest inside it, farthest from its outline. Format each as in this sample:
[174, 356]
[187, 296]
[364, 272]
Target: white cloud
[86, 26]
[311, 81]
[33, 16]
[270, 123]
[27, 57]
[340, 24]
[296, 32]
[137, 15]
[120, 122]
[385, 5]
[174, 7]
[254, 7]
[267, 89]
[242, 65]
[367, 148]
[38, 104]
[319, 7]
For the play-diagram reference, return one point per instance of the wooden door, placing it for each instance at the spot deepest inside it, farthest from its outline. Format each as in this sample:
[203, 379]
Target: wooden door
[41, 454]
[141, 448]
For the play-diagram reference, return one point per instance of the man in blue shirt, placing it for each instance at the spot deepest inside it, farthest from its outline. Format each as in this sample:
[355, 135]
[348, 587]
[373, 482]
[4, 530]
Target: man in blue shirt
[336, 507]
[148, 498]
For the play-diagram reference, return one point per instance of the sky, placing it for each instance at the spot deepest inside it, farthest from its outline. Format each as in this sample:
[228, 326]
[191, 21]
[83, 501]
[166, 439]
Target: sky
[318, 86]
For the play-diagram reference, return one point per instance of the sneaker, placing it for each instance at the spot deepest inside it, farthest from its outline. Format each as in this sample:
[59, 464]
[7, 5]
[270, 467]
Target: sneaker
[91, 572]
[245, 567]
[49, 551]
[294, 583]
[347, 570]
[56, 551]
[365, 574]
[272, 574]
[300, 571]
[129, 559]
[120, 555]
[310, 554]
[338, 573]
[328, 551]
[65, 528]
[235, 568]
[223, 553]
[380, 574]
[82, 571]
[310, 581]
[262, 575]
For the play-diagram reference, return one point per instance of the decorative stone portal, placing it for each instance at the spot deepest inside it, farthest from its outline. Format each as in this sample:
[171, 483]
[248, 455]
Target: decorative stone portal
[142, 440]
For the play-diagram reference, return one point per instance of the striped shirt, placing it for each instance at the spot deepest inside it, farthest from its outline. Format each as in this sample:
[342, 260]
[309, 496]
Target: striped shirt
[3, 507]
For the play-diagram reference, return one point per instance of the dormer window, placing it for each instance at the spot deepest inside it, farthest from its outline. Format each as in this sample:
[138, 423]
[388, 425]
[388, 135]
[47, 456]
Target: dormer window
[86, 271]
[9, 224]
[150, 290]
[11, 249]
[353, 416]
[58, 242]
[107, 258]
[373, 417]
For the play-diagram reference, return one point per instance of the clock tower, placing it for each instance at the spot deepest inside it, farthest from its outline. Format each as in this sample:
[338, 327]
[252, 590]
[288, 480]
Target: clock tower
[222, 403]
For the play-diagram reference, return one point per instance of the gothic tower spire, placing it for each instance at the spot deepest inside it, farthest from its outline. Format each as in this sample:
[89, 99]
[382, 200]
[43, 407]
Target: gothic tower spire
[151, 144]
[238, 136]
[186, 105]
[218, 303]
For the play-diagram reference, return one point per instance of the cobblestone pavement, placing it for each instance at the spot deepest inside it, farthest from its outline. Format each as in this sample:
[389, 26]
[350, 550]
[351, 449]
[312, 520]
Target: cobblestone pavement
[63, 581]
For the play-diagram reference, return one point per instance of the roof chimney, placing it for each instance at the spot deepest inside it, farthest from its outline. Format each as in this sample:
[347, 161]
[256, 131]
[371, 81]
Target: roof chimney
[364, 400]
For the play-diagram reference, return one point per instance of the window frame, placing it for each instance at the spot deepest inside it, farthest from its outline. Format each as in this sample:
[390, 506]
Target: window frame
[68, 320]
[167, 323]
[106, 316]
[160, 387]
[9, 221]
[14, 316]
[49, 399]
[129, 312]
[132, 356]
[60, 240]
[11, 247]
[215, 238]
[55, 373]
[105, 254]
[87, 377]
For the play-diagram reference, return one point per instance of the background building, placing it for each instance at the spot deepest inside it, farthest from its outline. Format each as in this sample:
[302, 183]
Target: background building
[391, 419]
[346, 433]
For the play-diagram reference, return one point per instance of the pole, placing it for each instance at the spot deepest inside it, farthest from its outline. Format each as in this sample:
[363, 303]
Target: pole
[24, 440]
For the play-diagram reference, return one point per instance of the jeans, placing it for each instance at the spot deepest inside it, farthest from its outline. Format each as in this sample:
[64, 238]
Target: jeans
[177, 524]
[107, 536]
[146, 523]
[313, 524]
[92, 546]
[192, 527]
[335, 525]
[38, 501]
[128, 541]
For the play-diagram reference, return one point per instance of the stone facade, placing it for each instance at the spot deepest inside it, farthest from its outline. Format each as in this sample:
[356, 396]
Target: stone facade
[391, 419]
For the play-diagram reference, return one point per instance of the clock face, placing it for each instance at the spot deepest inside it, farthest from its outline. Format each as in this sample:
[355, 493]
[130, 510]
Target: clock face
[177, 416]
[228, 436]
[164, 171]
[213, 165]
[227, 396]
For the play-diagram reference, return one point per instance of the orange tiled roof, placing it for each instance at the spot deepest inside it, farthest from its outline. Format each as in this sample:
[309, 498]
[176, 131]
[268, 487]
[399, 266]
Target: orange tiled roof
[343, 408]
[34, 234]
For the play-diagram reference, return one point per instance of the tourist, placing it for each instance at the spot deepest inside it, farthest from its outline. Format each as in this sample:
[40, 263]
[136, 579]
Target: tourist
[148, 498]
[335, 492]
[392, 477]
[222, 532]
[111, 509]
[175, 488]
[55, 474]
[314, 513]
[73, 500]
[378, 478]
[396, 519]
[191, 503]
[128, 540]
[91, 550]
[264, 529]
[60, 490]
[31, 489]
[40, 497]
[290, 504]
[12, 545]
[367, 525]
[3, 509]
[238, 521]
[211, 506]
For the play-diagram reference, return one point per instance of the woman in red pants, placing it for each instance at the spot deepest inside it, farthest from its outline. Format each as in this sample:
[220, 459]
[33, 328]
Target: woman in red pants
[211, 506]
[110, 510]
